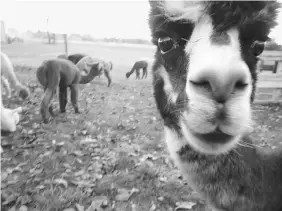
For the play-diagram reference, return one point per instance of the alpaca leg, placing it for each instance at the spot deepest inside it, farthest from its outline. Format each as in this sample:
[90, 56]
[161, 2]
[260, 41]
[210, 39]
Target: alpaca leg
[145, 72]
[48, 95]
[63, 95]
[6, 85]
[74, 97]
[107, 74]
[136, 72]
[139, 74]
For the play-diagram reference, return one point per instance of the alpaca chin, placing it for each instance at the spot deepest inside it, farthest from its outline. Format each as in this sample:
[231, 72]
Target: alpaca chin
[207, 145]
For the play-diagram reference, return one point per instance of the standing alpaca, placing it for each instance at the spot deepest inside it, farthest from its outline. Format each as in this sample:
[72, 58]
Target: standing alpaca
[204, 78]
[141, 64]
[106, 66]
[63, 74]
[8, 75]
[75, 58]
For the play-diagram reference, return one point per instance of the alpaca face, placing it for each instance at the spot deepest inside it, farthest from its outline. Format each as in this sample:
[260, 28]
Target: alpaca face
[205, 67]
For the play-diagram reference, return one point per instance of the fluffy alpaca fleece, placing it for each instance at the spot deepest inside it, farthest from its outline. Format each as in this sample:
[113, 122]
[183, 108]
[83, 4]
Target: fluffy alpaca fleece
[9, 117]
[204, 79]
[105, 66]
[8, 75]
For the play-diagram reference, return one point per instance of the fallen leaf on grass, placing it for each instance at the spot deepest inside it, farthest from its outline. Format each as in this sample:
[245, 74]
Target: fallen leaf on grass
[184, 205]
[4, 175]
[12, 208]
[23, 208]
[134, 190]
[163, 179]
[69, 209]
[98, 203]
[40, 199]
[161, 198]
[35, 125]
[148, 157]
[79, 173]
[61, 182]
[77, 153]
[123, 194]
[83, 183]
[24, 200]
[88, 140]
[79, 207]
[153, 207]
[10, 199]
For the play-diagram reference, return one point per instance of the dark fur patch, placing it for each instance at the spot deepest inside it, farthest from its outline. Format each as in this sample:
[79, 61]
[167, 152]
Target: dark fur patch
[75, 58]
[227, 14]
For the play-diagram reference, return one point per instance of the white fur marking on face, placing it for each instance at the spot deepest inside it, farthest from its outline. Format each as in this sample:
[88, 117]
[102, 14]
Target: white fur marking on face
[220, 59]
[223, 61]
[184, 10]
[210, 149]
[168, 88]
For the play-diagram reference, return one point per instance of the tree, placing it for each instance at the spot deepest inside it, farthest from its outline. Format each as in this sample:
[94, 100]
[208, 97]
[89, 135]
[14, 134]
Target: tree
[273, 46]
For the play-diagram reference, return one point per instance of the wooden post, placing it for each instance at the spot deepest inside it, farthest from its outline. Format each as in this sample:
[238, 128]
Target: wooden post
[66, 44]
[275, 67]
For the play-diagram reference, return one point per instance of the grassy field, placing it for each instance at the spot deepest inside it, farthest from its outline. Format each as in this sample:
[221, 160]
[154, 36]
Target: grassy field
[109, 157]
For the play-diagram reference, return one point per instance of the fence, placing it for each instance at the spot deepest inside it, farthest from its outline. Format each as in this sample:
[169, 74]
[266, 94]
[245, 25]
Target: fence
[269, 87]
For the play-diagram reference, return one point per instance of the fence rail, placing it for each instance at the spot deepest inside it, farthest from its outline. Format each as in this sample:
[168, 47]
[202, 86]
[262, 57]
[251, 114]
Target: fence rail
[269, 87]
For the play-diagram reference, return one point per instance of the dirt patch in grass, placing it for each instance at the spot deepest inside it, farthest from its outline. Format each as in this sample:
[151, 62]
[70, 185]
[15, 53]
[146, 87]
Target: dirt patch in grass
[111, 155]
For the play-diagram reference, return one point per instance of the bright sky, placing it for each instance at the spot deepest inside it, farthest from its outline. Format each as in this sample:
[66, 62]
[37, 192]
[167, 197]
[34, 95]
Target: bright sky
[123, 19]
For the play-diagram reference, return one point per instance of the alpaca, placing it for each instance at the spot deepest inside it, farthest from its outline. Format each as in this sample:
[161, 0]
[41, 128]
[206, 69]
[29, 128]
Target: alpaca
[8, 75]
[63, 74]
[107, 66]
[9, 117]
[6, 85]
[76, 57]
[204, 80]
[140, 64]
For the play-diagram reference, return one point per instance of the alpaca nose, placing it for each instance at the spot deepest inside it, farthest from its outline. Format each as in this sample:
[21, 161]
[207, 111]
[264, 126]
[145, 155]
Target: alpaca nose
[221, 86]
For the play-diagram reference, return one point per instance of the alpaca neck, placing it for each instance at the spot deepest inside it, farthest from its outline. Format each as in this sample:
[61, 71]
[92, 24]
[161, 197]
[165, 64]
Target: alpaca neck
[90, 76]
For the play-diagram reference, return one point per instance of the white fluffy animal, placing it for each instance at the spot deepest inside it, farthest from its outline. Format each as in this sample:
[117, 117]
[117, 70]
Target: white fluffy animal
[10, 117]
[7, 71]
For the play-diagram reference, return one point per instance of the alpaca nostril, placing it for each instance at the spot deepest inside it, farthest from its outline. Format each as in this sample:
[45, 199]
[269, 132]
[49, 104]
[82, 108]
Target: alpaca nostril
[220, 87]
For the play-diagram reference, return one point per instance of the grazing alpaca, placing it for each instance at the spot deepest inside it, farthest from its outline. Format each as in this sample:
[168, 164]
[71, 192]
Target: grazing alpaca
[7, 72]
[141, 64]
[204, 78]
[76, 57]
[106, 66]
[63, 74]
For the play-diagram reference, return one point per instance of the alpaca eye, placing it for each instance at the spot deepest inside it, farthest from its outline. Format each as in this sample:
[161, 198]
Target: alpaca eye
[165, 44]
[257, 47]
